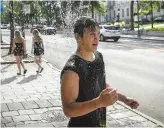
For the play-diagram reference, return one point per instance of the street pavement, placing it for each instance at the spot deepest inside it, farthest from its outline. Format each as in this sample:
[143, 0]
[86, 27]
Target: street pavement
[33, 100]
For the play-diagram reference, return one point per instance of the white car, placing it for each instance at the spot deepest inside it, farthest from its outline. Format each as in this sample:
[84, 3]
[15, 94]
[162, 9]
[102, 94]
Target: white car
[109, 32]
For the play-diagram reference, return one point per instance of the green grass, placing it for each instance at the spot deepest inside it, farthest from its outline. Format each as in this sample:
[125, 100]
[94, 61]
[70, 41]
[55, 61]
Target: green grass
[156, 29]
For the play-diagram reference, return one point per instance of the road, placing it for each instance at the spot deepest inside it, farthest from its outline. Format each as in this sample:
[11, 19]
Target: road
[134, 67]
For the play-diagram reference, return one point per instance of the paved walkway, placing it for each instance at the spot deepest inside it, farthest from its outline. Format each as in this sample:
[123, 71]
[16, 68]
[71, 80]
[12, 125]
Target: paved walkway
[33, 100]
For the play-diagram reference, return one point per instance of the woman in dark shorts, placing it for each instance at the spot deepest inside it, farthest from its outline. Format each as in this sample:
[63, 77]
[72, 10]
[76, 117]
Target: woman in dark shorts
[37, 49]
[19, 49]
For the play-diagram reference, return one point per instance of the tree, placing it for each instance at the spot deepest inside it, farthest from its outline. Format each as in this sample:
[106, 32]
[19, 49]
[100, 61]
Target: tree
[132, 15]
[147, 7]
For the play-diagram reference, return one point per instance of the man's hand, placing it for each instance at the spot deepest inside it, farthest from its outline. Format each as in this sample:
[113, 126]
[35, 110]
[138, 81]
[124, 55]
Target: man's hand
[108, 97]
[133, 104]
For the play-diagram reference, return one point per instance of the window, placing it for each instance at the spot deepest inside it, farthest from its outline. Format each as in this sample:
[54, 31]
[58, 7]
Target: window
[127, 11]
[122, 12]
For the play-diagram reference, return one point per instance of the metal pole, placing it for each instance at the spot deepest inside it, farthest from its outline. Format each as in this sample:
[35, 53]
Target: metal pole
[22, 20]
[11, 26]
[138, 18]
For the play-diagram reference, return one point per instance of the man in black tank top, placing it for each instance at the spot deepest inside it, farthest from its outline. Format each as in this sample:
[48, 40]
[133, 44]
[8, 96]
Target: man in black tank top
[84, 91]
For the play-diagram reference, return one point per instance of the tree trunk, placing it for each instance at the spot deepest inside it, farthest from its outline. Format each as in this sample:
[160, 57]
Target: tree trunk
[11, 26]
[132, 15]
[92, 6]
[152, 14]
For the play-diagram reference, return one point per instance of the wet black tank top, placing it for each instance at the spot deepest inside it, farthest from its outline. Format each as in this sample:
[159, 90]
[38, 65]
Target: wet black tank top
[91, 83]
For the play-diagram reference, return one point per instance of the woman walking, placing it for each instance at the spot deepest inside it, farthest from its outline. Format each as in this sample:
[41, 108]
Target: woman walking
[37, 49]
[19, 49]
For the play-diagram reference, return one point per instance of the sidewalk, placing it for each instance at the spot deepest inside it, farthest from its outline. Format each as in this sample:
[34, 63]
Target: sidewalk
[33, 100]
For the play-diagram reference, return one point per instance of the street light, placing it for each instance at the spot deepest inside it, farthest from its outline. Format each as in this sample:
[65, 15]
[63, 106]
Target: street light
[118, 15]
[22, 19]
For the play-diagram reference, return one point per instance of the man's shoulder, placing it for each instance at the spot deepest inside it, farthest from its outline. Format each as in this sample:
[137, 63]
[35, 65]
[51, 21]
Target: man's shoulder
[72, 64]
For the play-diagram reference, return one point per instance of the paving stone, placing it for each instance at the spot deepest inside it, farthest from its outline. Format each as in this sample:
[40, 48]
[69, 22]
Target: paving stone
[32, 122]
[7, 101]
[10, 97]
[108, 117]
[43, 103]
[60, 124]
[29, 104]
[12, 124]
[137, 118]
[5, 120]
[118, 106]
[35, 117]
[32, 99]
[21, 118]
[56, 108]
[4, 107]
[45, 121]
[26, 112]
[55, 102]
[10, 113]
[39, 111]
[113, 123]
[15, 106]
[144, 124]
[19, 100]
[37, 125]
[110, 108]
[123, 115]
[2, 125]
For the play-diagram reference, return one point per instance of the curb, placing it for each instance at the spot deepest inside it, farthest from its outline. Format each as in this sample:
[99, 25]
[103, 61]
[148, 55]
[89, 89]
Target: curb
[143, 115]
[4, 47]
[46, 62]
[14, 62]
[140, 38]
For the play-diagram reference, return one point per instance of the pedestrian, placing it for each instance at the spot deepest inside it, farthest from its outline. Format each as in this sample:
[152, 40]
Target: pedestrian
[84, 91]
[37, 48]
[19, 50]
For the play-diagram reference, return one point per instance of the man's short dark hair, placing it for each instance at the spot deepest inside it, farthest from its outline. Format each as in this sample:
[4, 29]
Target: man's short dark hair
[84, 22]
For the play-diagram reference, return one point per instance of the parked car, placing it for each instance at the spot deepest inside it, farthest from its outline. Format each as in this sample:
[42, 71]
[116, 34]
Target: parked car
[159, 19]
[49, 30]
[39, 27]
[145, 21]
[109, 32]
[5, 26]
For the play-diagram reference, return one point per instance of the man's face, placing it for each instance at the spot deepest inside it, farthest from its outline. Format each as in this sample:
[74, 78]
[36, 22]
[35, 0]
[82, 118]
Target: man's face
[90, 39]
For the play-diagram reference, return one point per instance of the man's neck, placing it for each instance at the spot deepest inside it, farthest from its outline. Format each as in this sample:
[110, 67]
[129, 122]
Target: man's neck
[89, 56]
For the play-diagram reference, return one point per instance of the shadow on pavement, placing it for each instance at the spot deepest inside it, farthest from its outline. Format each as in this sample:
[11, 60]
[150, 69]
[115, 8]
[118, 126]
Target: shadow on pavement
[8, 80]
[3, 69]
[28, 79]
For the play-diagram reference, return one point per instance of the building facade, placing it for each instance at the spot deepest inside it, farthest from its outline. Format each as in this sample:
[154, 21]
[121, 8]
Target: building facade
[121, 10]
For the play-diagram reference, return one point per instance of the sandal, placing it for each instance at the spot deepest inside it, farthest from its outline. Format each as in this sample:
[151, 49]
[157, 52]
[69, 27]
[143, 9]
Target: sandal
[41, 70]
[18, 74]
[25, 71]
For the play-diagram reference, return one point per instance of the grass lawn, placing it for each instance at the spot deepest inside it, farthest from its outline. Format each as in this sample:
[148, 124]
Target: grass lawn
[156, 26]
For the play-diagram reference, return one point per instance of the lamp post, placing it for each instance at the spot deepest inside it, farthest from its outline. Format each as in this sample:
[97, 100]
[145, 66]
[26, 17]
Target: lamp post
[138, 18]
[118, 15]
[22, 19]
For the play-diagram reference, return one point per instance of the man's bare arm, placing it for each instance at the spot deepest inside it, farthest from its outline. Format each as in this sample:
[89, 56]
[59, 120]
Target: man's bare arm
[69, 94]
